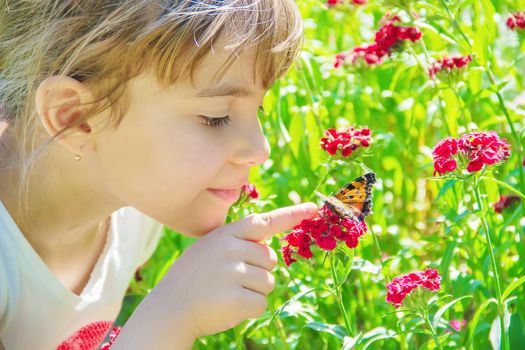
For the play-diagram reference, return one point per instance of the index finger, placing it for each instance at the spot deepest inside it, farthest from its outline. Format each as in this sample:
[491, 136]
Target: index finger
[258, 227]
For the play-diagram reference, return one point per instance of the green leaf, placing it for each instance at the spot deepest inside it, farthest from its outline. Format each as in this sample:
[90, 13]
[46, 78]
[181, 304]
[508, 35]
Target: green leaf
[462, 215]
[375, 335]
[444, 308]
[447, 258]
[516, 331]
[294, 299]
[475, 320]
[447, 186]
[503, 184]
[495, 329]
[332, 329]
[342, 264]
[515, 284]
[349, 343]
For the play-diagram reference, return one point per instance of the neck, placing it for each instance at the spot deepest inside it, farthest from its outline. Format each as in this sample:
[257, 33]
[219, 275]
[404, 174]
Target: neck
[64, 213]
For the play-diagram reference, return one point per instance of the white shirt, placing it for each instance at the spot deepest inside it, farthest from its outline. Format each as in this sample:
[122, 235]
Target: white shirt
[38, 312]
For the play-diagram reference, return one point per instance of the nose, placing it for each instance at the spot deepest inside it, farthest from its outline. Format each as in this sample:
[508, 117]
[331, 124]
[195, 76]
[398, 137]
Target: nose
[253, 147]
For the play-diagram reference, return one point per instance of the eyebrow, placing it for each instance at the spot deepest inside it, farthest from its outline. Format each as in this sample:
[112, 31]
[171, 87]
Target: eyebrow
[225, 90]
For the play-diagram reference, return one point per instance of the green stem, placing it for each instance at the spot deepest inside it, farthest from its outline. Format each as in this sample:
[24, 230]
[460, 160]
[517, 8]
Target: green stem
[339, 297]
[421, 41]
[504, 335]
[403, 345]
[434, 334]
[281, 333]
[455, 23]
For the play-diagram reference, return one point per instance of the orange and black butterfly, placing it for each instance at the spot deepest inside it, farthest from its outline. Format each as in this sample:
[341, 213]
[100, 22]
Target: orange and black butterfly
[354, 200]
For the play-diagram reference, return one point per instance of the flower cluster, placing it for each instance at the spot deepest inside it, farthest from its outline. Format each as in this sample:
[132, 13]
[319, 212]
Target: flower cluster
[478, 148]
[331, 3]
[516, 20]
[112, 336]
[401, 286]
[347, 140]
[386, 40]
[505, 202]
[324, 230]
[250, 190]
[447, 64]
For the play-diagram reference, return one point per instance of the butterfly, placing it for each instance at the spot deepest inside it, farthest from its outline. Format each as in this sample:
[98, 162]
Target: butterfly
[354, 200]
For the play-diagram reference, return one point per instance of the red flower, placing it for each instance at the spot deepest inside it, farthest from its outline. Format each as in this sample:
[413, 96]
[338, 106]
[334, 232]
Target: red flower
[478, 148]
[386, 40]
[443, 166]
[401, 286]
[505, 202]
[339, 60]
[324, 230]
[347, 140]
[250, 190]
[331, 3]
[287, 255]
[483, 148]
[446, 148]
[516, 20]
[457, 324]
[372, 54]
[442, 153]
[448, 64]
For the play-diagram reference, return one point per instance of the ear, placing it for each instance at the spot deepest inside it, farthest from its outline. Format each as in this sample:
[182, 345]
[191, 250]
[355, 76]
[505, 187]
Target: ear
[60, 101]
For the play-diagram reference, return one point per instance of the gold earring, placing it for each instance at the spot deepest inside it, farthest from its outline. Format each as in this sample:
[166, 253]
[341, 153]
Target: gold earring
[78, 156]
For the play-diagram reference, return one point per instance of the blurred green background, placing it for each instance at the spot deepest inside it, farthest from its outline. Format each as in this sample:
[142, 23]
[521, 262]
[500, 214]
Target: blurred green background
[418, 221]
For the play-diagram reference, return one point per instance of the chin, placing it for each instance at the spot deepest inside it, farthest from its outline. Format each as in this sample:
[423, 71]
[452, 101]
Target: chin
[198, 228]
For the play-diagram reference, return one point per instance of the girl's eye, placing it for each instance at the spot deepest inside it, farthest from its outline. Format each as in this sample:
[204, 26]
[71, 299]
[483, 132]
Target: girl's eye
[216, 121]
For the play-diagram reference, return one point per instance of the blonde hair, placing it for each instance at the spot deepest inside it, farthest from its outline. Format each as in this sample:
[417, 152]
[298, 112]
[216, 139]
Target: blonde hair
[105, 43]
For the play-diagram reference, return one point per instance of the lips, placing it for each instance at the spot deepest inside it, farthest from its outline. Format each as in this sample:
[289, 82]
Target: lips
[229, 195]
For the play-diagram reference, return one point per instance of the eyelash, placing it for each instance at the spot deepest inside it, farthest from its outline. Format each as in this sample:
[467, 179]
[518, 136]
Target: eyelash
[219, 121]
[215, 122]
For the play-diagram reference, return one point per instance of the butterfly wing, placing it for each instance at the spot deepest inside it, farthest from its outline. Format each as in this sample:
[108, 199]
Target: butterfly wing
[337, 206]
[354, 200]
[357, 195]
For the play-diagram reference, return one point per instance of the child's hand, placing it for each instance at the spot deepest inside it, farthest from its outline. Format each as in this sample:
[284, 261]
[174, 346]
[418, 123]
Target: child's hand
[224, 277]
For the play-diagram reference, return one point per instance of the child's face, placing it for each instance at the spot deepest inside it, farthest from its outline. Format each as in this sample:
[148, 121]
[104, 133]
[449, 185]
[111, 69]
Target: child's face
[162, 160]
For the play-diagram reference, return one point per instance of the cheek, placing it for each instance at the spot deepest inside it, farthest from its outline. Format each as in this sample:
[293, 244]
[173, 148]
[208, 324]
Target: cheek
[164, 172]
